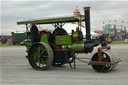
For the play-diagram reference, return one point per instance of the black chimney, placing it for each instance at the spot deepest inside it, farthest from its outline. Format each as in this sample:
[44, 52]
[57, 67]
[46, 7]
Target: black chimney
[87, 22]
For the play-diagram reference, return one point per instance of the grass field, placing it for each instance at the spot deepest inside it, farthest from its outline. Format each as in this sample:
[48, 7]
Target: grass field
[4, 45]
[119, 42]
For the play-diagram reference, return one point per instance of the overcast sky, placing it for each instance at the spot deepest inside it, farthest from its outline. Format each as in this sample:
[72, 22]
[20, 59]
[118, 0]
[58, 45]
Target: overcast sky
[101, 11]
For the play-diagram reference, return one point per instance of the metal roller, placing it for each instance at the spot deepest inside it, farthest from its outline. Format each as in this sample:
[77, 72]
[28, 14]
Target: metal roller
[107, 62]
[114, 59]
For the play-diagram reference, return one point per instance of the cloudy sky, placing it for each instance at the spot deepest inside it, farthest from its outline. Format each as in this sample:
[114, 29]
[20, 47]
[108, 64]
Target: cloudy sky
[101, 11]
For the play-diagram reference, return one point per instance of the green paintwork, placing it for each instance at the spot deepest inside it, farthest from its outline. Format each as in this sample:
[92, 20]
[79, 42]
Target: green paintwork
[63, 40]
[28, 44]
[52, 20]
[75, 46]
[44, 38]
[75, 35]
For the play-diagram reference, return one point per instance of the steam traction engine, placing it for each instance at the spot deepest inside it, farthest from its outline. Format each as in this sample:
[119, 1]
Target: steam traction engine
[58, 48]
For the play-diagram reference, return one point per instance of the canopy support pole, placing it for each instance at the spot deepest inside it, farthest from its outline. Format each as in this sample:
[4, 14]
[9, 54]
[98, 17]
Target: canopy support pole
[26, 27]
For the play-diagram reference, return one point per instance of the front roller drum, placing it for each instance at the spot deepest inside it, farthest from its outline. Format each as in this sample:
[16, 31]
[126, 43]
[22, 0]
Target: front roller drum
[40, 56]
[100, 66]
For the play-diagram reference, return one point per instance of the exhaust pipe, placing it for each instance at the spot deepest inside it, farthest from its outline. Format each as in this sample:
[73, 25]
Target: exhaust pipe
[87, 22]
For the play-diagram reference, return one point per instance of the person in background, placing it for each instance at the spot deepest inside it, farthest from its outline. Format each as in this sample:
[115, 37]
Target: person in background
[34, 33]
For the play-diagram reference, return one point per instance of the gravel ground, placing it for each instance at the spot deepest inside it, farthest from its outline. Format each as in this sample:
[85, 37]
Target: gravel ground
[15, 70]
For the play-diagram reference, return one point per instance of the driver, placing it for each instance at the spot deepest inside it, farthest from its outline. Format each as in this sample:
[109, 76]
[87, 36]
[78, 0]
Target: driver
[34, 33]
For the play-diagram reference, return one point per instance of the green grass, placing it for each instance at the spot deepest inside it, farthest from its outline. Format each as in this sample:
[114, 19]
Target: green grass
[5, 45]
[119, 42]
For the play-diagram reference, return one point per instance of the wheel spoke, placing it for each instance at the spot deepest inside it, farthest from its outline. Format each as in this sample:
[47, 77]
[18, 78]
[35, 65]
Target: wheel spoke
[42, 58]
[42, 53]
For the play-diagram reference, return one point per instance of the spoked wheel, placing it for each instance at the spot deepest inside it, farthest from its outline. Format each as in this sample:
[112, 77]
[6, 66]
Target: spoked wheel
[40, 56]
[102, 68]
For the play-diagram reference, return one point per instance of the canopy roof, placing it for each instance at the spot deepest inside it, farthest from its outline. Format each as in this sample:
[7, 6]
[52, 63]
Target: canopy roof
[54, 20]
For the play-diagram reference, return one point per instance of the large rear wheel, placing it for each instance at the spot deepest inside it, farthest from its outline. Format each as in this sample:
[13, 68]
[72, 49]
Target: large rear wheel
[40, 56]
